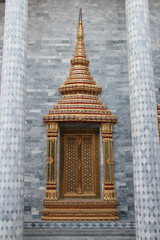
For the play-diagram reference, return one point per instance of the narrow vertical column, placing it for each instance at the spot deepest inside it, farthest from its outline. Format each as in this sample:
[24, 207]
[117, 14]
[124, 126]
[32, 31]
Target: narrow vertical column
[158, 109]
[51, 181]
[12, 120]
[143, 109]
[109, 192]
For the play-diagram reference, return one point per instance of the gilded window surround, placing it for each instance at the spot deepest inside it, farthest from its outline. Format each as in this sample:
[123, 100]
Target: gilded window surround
[79, 103]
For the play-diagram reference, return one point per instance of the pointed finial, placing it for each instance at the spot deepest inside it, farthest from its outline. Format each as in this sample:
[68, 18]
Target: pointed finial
[80, 15]
[80, 27]
[80, 54]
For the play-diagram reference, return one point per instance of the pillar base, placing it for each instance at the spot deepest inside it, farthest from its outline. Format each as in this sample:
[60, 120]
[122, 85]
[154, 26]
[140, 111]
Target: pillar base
[109, 195]
[50, 195]
[66, 210]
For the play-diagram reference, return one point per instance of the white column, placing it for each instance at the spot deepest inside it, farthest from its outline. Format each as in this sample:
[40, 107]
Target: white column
[143, 108]
[12, 120]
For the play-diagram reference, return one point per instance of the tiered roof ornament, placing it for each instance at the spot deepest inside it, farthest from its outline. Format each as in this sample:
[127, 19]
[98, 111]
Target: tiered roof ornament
[79, 100]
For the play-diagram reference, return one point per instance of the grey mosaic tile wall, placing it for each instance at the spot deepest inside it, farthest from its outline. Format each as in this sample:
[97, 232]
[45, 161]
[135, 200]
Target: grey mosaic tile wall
[51, 42]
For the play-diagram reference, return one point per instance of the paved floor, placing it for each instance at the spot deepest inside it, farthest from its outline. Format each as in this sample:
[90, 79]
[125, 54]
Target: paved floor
[80, 238]
[70, 234]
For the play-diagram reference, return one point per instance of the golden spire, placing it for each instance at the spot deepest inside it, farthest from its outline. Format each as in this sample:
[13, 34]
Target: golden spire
[79, 100]
[80, 54]
[80, 34]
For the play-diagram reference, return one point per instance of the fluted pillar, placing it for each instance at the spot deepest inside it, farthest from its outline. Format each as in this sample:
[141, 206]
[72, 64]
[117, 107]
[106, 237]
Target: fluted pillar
[12, 120]
[145, 142]
[51, 165]
[109, 190]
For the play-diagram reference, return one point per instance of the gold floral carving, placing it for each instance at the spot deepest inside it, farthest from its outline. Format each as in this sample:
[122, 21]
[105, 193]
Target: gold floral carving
[79, 164]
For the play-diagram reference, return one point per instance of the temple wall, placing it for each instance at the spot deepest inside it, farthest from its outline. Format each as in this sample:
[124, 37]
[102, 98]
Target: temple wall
[52, 27]
[51, 44]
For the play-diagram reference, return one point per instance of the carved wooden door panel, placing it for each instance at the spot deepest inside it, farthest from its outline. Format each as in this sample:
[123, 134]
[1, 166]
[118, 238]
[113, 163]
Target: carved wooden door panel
[79, 164]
